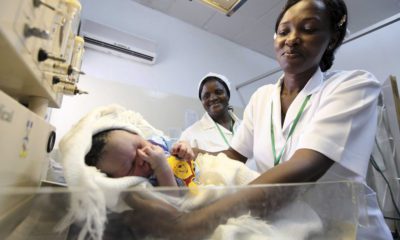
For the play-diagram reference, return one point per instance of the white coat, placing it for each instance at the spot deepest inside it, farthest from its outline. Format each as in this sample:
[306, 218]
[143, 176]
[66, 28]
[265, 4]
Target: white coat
[205, 135]
[339, 121]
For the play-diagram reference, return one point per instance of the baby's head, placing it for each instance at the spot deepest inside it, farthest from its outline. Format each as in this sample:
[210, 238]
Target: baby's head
[114, 152]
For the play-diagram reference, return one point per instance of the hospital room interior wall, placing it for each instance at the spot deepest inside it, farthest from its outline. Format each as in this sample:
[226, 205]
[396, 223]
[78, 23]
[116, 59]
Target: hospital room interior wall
[185, 53]
[377, 52]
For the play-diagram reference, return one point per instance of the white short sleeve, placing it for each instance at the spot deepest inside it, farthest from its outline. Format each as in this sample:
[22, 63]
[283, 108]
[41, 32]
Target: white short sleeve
[343, 124]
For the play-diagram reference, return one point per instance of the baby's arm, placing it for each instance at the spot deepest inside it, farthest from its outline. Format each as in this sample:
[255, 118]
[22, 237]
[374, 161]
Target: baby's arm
[155, 156]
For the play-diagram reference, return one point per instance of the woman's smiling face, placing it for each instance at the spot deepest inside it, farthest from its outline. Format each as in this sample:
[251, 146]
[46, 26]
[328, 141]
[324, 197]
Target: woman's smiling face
[302, 37]
[214, 98]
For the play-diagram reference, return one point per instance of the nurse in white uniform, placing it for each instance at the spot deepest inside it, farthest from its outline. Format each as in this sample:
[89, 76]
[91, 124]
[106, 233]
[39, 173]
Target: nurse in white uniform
[312, 125]
[215, 130]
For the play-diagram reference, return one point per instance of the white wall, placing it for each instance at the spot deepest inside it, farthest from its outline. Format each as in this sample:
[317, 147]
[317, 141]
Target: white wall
[185, 53]
[377, 52]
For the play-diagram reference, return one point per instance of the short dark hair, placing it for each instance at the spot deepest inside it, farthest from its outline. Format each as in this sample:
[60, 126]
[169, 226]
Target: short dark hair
[99, 140]
[213, 78]
[337, 11]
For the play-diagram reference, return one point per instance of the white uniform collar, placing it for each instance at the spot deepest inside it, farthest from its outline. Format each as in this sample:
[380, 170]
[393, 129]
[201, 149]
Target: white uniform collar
[208, 123]
[312, 86]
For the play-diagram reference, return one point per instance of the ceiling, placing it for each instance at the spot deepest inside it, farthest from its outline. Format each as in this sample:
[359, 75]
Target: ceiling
[252, 26]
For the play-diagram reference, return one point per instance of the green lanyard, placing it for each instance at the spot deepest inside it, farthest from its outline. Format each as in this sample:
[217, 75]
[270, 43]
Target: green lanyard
[222, 134]
[278, 158]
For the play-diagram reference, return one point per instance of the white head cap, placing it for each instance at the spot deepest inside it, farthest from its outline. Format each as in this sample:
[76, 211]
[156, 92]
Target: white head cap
[224, 81]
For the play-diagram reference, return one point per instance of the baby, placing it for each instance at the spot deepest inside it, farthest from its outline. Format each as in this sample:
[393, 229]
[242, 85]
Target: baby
[119, 153]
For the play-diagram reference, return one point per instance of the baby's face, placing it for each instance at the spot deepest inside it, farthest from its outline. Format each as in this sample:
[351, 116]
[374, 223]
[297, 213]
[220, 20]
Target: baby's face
[120, 158]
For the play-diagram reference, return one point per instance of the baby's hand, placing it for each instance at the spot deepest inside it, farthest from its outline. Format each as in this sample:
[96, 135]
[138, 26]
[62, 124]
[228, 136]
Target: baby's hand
[182, 150]
[155, 156]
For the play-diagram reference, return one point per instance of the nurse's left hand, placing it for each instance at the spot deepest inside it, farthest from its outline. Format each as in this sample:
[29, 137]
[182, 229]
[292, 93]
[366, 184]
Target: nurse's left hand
[182, 150]
[152, 217]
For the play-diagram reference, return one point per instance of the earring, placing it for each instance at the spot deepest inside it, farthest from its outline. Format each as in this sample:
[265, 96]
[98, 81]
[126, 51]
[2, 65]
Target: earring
[342, 20]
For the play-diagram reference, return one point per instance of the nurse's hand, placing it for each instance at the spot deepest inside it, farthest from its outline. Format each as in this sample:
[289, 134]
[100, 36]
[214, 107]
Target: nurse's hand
[152, 217]
[182, 150]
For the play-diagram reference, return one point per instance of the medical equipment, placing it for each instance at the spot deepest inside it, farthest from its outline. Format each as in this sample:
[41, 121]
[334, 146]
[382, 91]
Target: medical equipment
[38, 42]
[25, 141]
[38, 45]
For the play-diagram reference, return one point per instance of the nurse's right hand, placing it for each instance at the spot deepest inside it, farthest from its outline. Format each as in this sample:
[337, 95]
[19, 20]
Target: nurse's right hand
[152, 217]
[182, 150]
